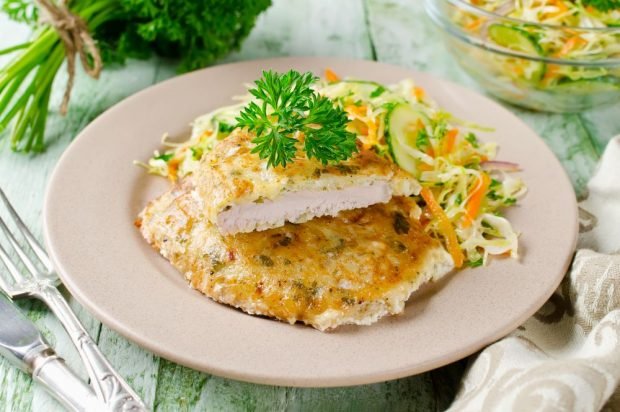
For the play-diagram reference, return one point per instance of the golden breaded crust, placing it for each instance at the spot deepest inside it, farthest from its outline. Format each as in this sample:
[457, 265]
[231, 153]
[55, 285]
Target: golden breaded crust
[231, 174]
[350, 269]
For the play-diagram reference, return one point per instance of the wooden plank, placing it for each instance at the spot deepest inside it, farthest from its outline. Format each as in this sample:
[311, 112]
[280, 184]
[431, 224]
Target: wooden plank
[89, 98]
[204, 392]
[138, 366]
[16, 388]
[306, 28]
[569, 140]
[410, 394]
[402, 34]
[178, 388]
[602, 124]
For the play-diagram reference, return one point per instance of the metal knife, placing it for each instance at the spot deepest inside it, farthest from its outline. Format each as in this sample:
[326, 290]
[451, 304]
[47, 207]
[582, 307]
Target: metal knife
[22, 344]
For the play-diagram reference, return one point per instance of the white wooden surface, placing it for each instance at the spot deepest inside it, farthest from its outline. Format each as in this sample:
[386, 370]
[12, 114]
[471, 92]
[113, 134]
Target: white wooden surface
[395, 31]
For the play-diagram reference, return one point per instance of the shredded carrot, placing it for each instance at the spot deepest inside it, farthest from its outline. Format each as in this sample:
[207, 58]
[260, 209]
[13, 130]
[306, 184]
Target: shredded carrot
[360, 127]
[356, 110]
[424, 167]
[372, 130]
[519, 70]
[562, 8]
[570, 45]
[331, 76]
[474, 24]
[551, 73]
[418, 93]
[475, 199]
[450, 139]
[445, 227]
[173, 169]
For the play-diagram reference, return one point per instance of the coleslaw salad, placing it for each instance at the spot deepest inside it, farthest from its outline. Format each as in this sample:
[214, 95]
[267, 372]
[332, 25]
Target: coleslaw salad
[465, 190]
[562, 30]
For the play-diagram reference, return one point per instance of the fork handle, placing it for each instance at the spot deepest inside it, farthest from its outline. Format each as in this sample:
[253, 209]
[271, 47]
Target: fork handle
[109, 386]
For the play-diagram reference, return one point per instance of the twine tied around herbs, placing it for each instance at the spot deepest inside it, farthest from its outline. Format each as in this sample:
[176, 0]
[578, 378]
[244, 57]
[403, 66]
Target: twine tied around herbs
[73, 33]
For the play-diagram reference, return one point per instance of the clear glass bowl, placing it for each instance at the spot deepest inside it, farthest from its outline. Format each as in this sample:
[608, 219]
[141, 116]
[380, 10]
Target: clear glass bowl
[518, 71]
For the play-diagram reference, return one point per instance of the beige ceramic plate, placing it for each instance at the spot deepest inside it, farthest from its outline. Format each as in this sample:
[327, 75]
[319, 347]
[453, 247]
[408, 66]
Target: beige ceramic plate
[95, 194]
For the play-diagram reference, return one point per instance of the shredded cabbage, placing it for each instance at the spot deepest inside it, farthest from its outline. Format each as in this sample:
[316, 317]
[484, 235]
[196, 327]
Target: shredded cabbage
[553, 12]
[452, 175]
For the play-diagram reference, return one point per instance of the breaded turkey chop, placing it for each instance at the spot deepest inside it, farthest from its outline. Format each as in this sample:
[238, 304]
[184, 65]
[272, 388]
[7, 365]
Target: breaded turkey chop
[350, 269]
[242, 195]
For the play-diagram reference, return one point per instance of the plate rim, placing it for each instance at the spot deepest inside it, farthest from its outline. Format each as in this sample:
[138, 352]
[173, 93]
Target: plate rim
[257, 377]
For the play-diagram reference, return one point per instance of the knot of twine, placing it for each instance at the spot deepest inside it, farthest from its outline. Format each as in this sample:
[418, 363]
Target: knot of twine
[73, 32]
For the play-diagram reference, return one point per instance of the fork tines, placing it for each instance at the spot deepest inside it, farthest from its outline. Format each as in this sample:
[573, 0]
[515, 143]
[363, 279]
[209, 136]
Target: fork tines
[23, 256]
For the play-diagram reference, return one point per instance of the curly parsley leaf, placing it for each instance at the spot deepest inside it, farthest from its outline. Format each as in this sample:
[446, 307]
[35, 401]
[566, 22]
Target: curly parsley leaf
[288, 111]
[196, 32]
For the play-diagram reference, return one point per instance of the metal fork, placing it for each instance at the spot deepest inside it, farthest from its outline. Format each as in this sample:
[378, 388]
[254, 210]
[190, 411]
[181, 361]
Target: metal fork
[108, 385]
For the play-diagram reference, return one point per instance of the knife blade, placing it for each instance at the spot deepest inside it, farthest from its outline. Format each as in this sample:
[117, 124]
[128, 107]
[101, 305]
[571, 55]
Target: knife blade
[24, 346]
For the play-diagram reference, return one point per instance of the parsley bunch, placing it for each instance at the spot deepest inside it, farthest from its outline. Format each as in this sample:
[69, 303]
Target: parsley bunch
[197, 32]
[288, 113]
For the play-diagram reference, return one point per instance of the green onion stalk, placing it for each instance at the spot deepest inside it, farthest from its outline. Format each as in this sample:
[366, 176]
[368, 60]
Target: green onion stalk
[26, 81]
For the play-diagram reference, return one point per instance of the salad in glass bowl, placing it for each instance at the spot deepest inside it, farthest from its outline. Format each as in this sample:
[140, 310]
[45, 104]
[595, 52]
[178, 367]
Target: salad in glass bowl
[551, 55]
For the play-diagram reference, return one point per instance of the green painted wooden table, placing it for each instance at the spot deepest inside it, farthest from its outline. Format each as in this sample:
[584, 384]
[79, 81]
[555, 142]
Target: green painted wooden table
[394, 31]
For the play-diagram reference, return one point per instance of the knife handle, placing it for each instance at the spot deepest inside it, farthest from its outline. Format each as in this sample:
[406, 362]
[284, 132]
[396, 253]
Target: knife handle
[62, 383]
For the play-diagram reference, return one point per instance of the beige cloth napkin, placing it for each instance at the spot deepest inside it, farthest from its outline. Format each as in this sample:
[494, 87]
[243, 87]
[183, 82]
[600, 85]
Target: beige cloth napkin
[567, 356]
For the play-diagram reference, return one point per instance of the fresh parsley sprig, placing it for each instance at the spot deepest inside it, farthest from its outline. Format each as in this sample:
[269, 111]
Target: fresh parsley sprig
[287, 112]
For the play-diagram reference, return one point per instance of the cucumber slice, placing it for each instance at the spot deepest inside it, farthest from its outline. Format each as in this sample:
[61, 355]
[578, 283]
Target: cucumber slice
[515, 39]
[520, 40]
[366, 87]
[401, 143]
[600, 84]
